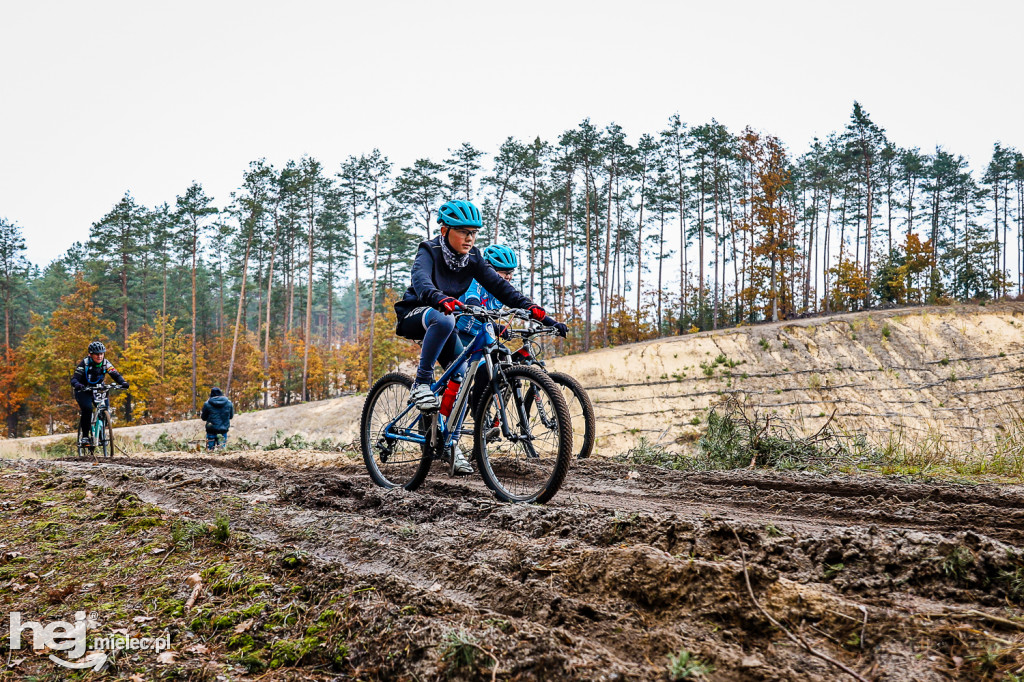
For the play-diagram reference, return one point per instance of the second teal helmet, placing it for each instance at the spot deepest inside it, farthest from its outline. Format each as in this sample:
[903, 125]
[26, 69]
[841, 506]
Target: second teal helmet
[501, 257]
[458, 213]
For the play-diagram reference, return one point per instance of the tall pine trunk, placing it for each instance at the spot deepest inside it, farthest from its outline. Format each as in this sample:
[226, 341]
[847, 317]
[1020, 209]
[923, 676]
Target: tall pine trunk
[308, 339]
[266, 330]
[238, 313]
[195, 246]
[373, 292]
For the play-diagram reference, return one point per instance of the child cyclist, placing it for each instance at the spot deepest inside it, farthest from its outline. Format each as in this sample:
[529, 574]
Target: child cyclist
[443, 270]
[504, 261]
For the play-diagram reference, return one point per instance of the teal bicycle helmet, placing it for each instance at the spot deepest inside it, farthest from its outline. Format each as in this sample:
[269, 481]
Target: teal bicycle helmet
[459, 213]
[501, 257]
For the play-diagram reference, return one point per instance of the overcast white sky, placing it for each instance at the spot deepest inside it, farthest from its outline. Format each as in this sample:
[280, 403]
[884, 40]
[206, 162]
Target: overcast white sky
[103, 97]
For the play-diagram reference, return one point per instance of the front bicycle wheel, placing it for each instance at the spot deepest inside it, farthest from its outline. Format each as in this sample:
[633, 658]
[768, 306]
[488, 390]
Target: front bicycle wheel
[392, 463]
[581, 413]
[523, 436]
[106, 443]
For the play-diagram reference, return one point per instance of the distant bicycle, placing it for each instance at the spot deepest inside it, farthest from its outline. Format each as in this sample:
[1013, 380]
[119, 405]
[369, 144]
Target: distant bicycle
[581, 409]
[101, 431]
[521, 450]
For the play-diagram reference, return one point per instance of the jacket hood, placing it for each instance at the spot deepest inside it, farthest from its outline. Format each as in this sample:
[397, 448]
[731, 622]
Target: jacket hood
[218, 400]
[214, 392]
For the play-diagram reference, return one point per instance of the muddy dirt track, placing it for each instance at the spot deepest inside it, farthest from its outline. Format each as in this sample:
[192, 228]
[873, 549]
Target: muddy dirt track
[628, 565]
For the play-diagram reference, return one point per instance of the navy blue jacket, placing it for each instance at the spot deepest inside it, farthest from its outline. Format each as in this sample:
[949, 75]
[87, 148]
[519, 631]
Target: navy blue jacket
[433, 280]
[217, 412]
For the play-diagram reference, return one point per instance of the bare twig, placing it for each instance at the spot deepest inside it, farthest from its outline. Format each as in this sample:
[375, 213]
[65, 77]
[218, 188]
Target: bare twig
[795, 638]
[825, 425]
[972, 613]
[863, 627]
[166, 555]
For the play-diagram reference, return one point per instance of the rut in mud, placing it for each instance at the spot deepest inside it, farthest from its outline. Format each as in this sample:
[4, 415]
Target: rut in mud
[629, 565]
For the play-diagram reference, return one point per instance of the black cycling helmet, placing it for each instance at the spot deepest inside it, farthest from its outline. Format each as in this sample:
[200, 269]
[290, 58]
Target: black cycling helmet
[97, 347]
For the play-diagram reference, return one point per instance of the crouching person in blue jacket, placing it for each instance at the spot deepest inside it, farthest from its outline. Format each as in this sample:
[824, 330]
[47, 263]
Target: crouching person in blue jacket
[217, 413]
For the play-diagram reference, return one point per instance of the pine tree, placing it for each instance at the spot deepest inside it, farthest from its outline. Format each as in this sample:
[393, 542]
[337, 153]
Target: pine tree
[312, 186]
[194, 211]
[13, 271]
[865, 140]
[644, 163]
[509, 165]
[419, 189]
[115, 239]
[463, 165]
[353, 185]
[336, 245]
[378, 170]
[675, 140]
[997, 177]
[250, 209]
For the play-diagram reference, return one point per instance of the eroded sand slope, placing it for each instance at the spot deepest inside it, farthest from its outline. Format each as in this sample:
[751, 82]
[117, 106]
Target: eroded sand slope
[953, 371]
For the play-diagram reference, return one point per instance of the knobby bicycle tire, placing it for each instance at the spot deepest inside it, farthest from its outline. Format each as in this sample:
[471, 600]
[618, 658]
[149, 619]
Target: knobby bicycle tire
[564, 451]
[83, 450]
[106, 437]
[394, 388]
[583, 449]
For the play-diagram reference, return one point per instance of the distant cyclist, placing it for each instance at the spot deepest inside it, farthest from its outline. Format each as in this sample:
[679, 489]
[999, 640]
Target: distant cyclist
[444, 268]
[504, 261]
[88, 374]
[217, 413]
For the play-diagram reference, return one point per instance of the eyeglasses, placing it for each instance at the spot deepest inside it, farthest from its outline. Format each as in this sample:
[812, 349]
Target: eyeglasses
[465, 233]
[505, 274]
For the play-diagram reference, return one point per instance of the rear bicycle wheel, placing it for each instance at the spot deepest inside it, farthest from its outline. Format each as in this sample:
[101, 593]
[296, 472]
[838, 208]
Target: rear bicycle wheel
[392, 463]
[83, 450]
[581, 413]
[528, 462]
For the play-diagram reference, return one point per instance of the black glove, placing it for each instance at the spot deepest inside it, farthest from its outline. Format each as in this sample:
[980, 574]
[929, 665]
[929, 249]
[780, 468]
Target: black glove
[124, 385]
[560, 327]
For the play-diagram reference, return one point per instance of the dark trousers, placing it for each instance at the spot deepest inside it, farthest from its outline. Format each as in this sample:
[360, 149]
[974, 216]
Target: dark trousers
[440, 342]
[85, 404]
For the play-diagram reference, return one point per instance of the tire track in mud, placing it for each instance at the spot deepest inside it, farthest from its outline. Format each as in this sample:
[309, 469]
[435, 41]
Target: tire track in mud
[618, 572]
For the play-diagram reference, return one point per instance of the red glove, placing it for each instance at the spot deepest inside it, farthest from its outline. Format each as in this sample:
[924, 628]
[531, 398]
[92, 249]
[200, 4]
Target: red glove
[537, 312]
[449, 304]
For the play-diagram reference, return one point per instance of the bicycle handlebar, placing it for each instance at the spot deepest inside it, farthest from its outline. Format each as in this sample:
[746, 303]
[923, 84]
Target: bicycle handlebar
[535, 328]
[478, 312]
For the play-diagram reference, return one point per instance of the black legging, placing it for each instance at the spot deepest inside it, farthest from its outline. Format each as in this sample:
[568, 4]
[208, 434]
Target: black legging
[85, 402]
[415, 325]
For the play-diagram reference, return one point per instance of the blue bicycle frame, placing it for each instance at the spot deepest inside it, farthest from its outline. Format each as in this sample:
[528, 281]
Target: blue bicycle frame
[473, 355]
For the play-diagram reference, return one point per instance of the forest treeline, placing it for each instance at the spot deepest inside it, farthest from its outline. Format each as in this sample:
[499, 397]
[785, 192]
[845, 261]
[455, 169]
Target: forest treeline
[282, 292]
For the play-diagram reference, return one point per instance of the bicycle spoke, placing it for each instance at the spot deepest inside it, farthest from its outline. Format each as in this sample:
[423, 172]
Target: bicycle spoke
[524, 459]
[392, 462]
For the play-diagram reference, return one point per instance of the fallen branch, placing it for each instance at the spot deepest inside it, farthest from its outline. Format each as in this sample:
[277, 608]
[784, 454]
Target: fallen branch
[973, 613]
[795, 638]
